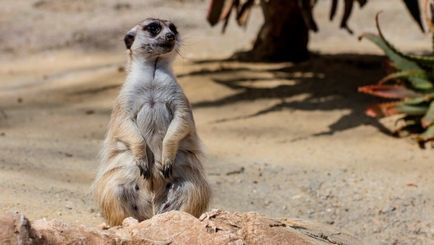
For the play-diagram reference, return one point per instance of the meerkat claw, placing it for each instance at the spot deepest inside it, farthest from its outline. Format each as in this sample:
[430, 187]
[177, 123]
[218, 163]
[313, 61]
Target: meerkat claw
[145, 172]
[167, 171]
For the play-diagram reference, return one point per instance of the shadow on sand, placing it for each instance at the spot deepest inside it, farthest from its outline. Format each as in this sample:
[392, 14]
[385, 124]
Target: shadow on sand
[328, 82]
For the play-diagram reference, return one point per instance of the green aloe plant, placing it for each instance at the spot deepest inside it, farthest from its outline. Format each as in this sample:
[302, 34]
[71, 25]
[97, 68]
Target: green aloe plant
[410, 87]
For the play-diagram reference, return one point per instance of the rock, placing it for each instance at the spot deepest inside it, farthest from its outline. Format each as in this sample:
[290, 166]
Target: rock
[16, 229]
[214, 227]
[129, 222]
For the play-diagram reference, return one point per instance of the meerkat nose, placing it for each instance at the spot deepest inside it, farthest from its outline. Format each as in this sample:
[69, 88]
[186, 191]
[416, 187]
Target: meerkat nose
[170, 36]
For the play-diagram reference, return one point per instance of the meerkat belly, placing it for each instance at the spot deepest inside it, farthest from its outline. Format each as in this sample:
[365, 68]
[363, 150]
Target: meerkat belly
[153, 120]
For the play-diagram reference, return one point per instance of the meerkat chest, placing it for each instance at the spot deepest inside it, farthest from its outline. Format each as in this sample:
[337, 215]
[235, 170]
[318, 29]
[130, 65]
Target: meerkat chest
[150, 104]
[152, 95]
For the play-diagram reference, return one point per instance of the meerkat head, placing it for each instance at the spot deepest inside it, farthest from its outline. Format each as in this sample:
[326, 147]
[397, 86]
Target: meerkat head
[152, 38]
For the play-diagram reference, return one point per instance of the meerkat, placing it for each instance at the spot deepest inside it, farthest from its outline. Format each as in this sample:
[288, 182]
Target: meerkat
[151, 156]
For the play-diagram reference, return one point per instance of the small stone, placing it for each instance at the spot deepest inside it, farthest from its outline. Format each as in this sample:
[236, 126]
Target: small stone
[129, 221]
[103, 226]
[296, 197]
[387, 210]
[66, 154]
[68, 205]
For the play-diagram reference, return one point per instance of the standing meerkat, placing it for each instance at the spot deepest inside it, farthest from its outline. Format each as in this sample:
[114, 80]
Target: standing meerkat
[150, 160]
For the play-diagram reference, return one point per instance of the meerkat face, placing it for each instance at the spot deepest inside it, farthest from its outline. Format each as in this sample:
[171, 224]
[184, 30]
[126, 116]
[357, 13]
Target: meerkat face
[152, 38]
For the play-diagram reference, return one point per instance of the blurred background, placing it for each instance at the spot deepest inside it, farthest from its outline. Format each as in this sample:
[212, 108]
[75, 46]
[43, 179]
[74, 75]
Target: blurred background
[283, 139]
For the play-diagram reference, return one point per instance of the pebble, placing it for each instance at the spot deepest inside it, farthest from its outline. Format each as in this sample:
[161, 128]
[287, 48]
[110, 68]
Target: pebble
[296, 197]
[103, 226]
[68, 206]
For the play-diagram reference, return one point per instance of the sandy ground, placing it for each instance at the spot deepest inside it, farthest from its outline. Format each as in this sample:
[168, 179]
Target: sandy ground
[284, 140]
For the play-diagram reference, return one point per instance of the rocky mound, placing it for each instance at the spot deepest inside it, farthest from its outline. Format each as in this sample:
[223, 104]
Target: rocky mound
[214, 227]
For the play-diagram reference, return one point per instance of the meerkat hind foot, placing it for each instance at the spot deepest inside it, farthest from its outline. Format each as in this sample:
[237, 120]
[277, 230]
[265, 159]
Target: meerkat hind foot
[173, 198]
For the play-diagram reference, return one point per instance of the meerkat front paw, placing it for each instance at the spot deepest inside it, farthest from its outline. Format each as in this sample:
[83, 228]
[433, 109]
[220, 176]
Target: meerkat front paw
[144, 168]
[165, 168]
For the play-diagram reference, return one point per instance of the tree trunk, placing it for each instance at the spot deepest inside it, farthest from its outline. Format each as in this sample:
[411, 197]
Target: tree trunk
[283, 36]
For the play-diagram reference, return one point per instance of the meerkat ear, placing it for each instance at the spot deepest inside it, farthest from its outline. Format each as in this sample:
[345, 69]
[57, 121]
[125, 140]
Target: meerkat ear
[129, 39]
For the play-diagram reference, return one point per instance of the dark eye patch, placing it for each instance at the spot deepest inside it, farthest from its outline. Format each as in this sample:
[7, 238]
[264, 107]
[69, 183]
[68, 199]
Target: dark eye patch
[172, 27]
[153, 28]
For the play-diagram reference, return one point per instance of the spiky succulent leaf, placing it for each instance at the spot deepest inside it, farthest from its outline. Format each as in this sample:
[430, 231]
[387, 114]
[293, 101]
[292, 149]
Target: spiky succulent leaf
[214, 11]
[418, 100]
[306, 10]
[333, 9]
[399, 61]
[382, 110]
[227, 11]
[244, 12]
[427, 135]
[404, 74]
[419, 79]
[348, 9]
[412, 110]
[428, 119]
[426, 61]
[420, 83]
[388, 91]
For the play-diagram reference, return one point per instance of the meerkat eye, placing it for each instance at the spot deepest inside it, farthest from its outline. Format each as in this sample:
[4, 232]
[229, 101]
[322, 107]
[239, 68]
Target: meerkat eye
[172, 27]
[154, 28]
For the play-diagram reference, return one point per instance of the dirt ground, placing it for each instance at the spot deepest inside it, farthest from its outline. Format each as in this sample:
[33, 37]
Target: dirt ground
[284, 140]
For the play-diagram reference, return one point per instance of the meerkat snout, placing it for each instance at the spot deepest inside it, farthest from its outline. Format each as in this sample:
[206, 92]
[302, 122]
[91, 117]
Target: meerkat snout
[170, 37]
[152, 37]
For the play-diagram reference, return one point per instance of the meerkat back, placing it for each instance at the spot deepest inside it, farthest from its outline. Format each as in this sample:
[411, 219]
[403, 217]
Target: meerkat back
[151, 157]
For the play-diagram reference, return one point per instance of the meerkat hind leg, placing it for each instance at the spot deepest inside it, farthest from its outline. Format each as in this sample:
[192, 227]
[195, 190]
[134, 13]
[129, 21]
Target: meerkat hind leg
[189, 193]
[122, 193]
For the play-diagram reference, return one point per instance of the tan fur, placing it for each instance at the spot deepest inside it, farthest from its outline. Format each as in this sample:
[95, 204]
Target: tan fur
[151, 131]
